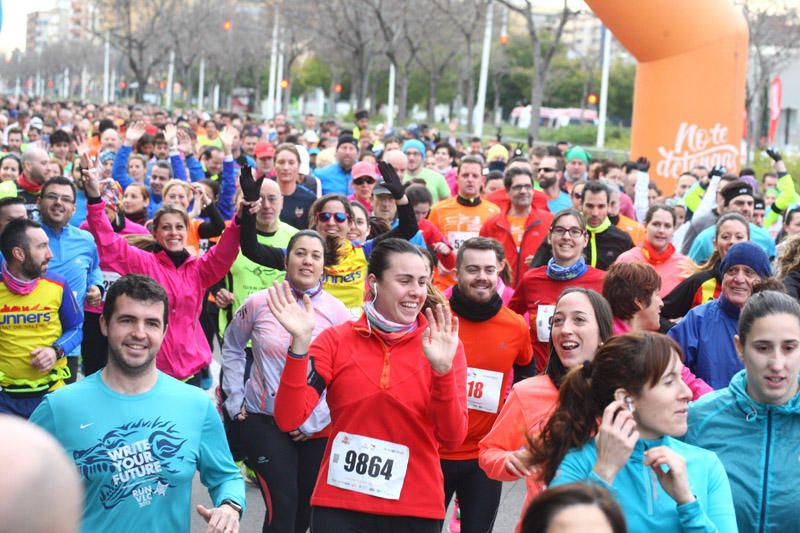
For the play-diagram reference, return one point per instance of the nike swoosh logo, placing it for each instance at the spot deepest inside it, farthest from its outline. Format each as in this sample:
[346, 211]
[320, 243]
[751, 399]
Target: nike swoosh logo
[84, 426]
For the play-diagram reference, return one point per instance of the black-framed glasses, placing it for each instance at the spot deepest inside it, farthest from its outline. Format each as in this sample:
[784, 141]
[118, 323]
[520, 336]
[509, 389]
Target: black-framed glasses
[340, 218]
[574, 232]
[54, 197]
[362, 180]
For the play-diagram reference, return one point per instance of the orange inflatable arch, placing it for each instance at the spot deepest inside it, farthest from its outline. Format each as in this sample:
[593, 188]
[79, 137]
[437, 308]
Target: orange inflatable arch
[688, 102]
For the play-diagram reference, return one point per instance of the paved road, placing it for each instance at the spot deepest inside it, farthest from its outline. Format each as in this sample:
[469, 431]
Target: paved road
[510, 505]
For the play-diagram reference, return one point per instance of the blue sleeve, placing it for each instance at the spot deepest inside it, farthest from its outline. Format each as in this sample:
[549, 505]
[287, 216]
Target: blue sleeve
[699, 252]
[71, 317]
[196, 171]
[418, 239]
[228, 192]
[119, 171]
[218, 472]
[43, 417]
[178, 170]
[684, 334]
[716, 513]
[95, 274]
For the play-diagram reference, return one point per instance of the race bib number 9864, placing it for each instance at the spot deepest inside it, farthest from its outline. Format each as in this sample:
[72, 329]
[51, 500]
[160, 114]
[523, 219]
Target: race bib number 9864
[370, 466]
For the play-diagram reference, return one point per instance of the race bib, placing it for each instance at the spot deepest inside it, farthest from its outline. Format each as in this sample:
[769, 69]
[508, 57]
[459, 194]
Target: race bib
[457, 238]
[370, 466]
[108, 279]
[483, 389]
[543, 315]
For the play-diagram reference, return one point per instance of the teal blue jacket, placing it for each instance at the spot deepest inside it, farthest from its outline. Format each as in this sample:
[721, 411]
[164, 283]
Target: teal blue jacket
[759, 445]
[646, 505]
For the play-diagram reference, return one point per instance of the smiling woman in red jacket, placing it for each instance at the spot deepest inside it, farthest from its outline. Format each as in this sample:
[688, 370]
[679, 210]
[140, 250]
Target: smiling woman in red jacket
[396, 389]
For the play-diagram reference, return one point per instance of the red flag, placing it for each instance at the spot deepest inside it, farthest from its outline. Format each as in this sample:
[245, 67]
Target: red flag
[775, 96]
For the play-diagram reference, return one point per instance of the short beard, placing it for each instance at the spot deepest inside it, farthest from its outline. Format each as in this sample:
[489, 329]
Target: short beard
[115, 359]
[31, 269]
[546, 183]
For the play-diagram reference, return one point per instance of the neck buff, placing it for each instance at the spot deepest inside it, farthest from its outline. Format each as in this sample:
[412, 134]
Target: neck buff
[560, 273]
[28, 185]
[469, 202]
[593, 231]
[389, 331]
[18, 286]
[473, 311]
[313, 291]
[653, 256]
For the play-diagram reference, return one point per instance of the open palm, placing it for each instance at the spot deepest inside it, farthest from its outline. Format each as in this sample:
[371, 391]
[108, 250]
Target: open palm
[296, 317]
[440, 340]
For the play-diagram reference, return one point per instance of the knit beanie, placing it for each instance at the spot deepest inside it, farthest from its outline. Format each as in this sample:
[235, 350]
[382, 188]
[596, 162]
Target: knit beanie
[747, 254]
[576, 152]
[497, 151]
[346, 139]
[416, 144]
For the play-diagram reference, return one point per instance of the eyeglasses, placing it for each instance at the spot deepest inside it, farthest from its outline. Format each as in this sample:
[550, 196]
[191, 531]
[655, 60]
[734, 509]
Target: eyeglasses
[559, 231]
[522, 187]
[362, 180]
[340, 218]
[546, 169]
[54, 197]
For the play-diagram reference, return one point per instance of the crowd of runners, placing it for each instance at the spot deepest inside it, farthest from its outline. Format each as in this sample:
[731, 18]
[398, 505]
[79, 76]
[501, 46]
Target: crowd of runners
[403, 318]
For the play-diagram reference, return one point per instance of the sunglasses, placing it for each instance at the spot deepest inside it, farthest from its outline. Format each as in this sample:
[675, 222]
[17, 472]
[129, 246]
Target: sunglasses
[340, 218]
[363, 180]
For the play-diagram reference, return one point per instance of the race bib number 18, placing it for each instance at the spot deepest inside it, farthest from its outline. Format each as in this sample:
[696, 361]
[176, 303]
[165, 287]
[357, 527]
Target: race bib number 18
[483, 389]
[370, 466]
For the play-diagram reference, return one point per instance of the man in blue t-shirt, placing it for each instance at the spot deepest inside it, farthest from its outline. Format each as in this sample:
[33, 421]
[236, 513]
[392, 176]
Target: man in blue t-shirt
[137, 436]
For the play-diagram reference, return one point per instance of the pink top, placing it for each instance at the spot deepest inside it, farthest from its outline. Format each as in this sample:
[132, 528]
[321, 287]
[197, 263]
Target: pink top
[672, 271]
[697, 385]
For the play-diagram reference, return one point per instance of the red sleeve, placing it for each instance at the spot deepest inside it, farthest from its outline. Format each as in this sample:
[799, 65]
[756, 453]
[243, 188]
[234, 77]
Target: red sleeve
[518, 302]
[432, 235]
[448, 405]
[297, 396]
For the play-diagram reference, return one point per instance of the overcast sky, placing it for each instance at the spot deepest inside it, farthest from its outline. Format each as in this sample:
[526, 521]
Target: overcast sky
[15, 18]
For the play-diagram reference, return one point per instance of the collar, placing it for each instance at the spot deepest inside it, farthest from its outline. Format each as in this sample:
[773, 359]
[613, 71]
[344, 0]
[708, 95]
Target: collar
[604, 225]
[728, 308]
[177, 258]
[28, 185]
[472, 311]
[468, 202]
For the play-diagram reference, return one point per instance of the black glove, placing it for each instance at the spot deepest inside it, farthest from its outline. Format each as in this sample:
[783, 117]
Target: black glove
[716, 170]
[642, 164]
[391, 180]
[774, 154]
[251, 189]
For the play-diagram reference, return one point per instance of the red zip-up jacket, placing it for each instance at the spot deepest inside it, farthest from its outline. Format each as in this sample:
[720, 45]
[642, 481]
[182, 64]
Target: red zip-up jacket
[536, 227]
[382, 391]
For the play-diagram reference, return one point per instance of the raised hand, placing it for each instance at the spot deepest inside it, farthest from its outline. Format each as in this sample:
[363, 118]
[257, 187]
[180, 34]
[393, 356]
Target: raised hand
[615, 440]
[774, 154]
[228, 136]
[170, 134]
[184, 142]
[298, 319]
[135, 132]
[251, 189]
[440, 340]
[391, 180]
[716, 170]
[91, 182]
[675, 480]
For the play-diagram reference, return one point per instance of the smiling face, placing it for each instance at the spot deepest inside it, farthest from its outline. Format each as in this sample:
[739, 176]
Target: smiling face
[359, 228]
[402, 288]
[728, 234]
[57, 205]
[663, 409]
[136, 169]
[477, 275]
[133, 201]
[178, 195]
[304, 262]
[574, 332]
[332, 226]
[567, 248]
[442, 158]
[660, 230]
[158, 178]
[9, 169]
[737, 284]
[771, 356]
[135, 331]
[171, 232]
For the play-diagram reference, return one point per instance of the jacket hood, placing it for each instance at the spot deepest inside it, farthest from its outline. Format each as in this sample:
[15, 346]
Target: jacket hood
[749, 407]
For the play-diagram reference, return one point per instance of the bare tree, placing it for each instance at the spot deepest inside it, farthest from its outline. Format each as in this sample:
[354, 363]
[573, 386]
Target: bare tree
[774, 43]
[435, 58]
[466, 17]
[191, 41]
[138, 29]
[544, 43]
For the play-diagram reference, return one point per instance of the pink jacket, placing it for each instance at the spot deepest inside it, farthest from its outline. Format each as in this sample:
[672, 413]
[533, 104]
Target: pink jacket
[185, 349]
[109, 276]
[672, 271]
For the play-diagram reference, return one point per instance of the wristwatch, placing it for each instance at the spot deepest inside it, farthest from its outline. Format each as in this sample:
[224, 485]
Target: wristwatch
[59, 351]
[236, 506]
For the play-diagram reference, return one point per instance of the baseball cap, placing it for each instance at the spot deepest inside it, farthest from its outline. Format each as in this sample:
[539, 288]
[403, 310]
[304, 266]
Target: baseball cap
[264, 150]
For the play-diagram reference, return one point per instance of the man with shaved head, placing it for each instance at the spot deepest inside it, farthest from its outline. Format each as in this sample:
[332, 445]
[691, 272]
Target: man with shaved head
[29, 183]
[42, 492]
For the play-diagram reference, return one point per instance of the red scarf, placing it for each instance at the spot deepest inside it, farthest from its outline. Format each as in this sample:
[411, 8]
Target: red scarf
[28, 185]
[653, 256]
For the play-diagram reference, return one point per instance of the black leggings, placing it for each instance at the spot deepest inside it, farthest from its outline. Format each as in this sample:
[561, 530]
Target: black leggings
[331, 520]
[478, 496]
[287, 472]
[233, 429]
[94, 347]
